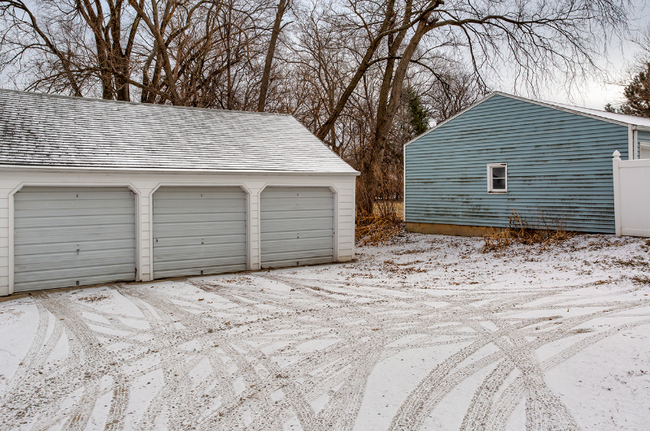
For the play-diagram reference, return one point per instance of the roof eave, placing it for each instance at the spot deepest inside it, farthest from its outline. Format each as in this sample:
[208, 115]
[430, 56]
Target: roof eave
[168, 171]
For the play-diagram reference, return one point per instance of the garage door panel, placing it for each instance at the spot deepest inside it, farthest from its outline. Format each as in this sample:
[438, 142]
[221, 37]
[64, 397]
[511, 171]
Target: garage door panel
[200, 251]
[311, 254]
[52, 223]
[202, 217]
[56, 279]
[172, 230]
[199, 263]
[53, 258]
[296, 226]
[112, 244]
[221, 193]
[304, 234]
[203, 270]
[205, 240]
[199, 230]
[320, 246]
[279, 263]
[72, 194]
[302, 214]
[298, 203]
[288, 193]
[291, 224]
[81, 273]
[71, 234]
[170, 200]
[204, 205]
[59, 207]
[98, 221]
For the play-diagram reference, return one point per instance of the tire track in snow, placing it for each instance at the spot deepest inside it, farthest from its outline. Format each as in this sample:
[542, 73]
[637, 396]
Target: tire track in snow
[486, 412]
[377, 314]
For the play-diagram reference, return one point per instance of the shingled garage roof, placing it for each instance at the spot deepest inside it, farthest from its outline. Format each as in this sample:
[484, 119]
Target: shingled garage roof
[57, 131]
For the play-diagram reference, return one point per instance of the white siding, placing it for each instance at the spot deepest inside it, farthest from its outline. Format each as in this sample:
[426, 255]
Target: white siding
[145, 183]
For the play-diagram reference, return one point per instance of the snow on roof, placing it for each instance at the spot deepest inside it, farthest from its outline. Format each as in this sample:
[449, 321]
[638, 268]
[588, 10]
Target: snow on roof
[608, 116]
[58, 131]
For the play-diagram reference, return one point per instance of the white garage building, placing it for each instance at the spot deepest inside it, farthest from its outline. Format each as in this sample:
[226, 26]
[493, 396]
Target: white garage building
[95, 191]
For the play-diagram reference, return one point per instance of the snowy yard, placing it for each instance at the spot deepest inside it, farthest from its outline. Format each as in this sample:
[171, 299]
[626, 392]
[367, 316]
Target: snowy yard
[425, 334]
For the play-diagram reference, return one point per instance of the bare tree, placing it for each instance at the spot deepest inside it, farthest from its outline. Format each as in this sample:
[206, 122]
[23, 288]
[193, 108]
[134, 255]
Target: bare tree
[450, 92]
[187, 52]
[531, 39]
[70, 45]
[341, 68]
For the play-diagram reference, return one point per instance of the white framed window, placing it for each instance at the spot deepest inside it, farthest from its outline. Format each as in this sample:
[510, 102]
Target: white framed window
[497, 177]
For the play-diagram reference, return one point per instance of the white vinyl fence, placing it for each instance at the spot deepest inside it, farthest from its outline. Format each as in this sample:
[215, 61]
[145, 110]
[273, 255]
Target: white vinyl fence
[632, 196]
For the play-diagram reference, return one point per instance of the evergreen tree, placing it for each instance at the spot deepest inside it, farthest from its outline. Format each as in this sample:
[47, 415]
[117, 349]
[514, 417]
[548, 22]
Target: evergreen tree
[420, 114]
[637, 94]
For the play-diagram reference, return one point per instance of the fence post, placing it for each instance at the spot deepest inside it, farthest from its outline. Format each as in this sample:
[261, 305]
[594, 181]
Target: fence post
[617, 192]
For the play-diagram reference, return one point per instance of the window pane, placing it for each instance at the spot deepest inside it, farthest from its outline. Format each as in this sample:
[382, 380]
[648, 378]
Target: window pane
[499, 172]
[498, 184]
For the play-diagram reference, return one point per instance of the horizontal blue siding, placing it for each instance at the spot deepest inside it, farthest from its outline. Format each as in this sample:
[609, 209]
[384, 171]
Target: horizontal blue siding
[559, 167]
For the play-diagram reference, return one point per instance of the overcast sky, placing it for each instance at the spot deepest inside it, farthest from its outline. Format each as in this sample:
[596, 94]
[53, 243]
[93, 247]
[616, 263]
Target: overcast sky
[595, 92]
[620, 57]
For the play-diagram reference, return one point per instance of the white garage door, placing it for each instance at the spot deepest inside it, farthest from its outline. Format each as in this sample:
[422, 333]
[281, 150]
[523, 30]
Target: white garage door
[72, 236]
[198, 230]
[297, 226]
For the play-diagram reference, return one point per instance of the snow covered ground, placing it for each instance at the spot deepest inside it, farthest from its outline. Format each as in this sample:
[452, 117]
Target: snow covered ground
[425, 334]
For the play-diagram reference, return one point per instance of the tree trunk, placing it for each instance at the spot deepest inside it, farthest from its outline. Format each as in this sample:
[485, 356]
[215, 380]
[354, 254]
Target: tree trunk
[372, 163]
[277, 26]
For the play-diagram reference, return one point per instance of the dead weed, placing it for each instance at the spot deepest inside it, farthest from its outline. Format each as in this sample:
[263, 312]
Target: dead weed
[641, 279]
[545, 232]
[93, 298]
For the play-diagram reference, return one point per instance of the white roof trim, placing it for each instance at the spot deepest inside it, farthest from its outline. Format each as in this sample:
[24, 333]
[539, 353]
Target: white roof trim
[60, 168]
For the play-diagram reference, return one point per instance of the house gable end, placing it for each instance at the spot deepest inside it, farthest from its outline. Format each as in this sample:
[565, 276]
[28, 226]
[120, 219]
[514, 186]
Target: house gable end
[558, 162]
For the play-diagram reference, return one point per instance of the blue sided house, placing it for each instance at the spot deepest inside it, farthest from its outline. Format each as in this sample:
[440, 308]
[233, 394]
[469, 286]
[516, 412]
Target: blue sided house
[549, 162]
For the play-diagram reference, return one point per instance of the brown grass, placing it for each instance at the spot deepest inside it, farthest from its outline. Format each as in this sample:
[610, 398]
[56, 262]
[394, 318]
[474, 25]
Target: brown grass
[545, 232]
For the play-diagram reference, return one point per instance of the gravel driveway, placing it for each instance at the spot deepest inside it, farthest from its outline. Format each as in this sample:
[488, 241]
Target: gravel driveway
[426, 334]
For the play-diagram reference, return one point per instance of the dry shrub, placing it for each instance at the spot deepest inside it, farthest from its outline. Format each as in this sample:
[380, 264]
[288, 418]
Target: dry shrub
[376, 229]
[380, 227]
[390, 209]
[385, 221]
[545, 231]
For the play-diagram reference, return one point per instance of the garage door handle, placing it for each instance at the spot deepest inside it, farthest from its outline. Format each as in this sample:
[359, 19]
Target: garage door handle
[78, 251]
